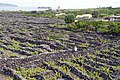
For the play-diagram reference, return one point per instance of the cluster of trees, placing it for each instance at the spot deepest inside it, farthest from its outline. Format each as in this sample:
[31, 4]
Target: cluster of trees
[96, 12]
[48, 14]
[100, 26]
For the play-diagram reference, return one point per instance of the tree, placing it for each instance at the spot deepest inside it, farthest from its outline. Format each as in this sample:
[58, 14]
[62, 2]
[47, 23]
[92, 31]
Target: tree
[95, 14]
[69, 18]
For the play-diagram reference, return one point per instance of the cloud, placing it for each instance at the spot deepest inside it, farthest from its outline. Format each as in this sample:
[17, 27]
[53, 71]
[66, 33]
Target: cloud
[63, 3]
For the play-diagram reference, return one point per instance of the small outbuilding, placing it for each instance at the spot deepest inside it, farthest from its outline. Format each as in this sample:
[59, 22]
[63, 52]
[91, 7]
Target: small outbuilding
[84, 16]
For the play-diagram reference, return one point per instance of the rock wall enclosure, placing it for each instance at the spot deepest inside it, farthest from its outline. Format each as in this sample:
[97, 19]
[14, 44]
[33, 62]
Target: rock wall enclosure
[29, 43]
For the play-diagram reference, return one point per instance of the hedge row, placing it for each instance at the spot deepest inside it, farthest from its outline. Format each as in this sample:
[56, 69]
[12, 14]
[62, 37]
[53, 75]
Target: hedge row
[100, 26]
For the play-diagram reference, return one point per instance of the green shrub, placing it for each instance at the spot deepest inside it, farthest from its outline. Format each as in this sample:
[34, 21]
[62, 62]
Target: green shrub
[100, 26]
[72, 26]
[103, 15]
[28, 72]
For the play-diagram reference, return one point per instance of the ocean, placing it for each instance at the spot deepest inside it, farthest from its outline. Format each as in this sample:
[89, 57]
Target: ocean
[20, 8]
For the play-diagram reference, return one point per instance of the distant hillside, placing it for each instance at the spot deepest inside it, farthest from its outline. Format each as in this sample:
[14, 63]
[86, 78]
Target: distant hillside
[7, 5]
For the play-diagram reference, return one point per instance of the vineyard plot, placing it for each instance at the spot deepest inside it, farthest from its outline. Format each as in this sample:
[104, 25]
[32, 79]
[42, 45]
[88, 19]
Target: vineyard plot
[33, 49]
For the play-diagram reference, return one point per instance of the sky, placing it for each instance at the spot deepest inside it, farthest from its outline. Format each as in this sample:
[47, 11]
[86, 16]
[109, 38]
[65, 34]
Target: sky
[64, 4]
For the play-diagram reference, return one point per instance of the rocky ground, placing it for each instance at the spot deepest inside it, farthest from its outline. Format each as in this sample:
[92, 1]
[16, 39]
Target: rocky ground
[37, 49]
[1, 77]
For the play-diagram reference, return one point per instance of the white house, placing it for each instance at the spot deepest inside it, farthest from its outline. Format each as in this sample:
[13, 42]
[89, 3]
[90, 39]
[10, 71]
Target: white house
[84, 16]
[60, 14]
[113, 18]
